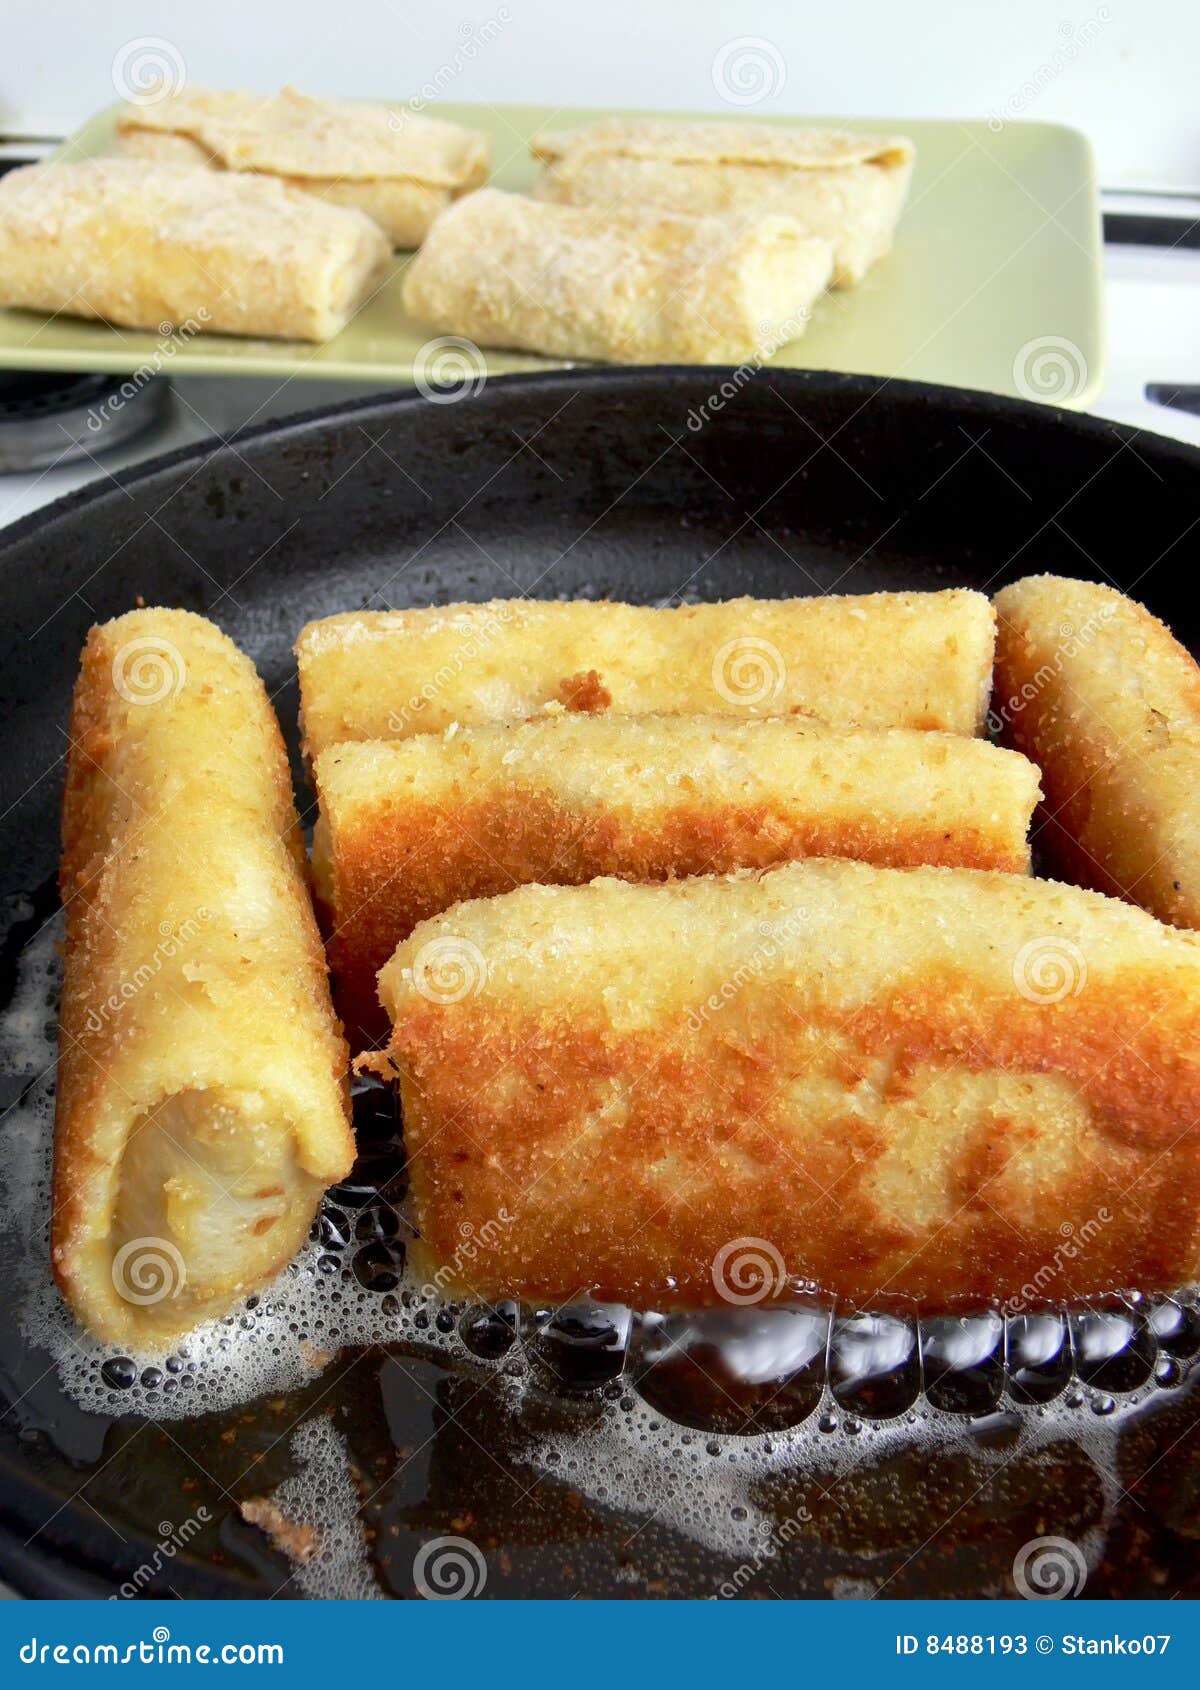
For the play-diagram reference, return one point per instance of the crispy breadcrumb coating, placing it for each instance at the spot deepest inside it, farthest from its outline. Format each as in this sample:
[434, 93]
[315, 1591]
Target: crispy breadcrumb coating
[898, 1082]
[1103, 697]
[202, 1105]
[873, 660]
[409, 827]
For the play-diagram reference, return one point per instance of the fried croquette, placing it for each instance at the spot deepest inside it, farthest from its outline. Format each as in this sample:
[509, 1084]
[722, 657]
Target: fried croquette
[875, 660]
[889, 1082]
[1103, 697]
[409, 827]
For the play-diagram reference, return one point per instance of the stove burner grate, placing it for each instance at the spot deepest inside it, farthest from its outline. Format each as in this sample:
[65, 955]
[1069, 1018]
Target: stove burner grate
[51, 418]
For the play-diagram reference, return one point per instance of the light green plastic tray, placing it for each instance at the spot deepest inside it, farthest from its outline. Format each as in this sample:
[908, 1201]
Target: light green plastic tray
[995, 281]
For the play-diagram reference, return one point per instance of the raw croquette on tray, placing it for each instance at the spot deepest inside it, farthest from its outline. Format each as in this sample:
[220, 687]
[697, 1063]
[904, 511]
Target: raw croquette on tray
[995, 281]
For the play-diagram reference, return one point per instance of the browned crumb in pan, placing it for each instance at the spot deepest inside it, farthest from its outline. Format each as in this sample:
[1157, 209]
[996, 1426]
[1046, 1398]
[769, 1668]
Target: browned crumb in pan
[296, 1539]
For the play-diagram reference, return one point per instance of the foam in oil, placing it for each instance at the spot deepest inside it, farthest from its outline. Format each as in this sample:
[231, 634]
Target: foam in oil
[689, 1419]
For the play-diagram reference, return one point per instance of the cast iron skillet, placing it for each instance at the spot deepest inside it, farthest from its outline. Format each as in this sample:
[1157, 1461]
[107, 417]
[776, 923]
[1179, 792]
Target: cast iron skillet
[646, 485]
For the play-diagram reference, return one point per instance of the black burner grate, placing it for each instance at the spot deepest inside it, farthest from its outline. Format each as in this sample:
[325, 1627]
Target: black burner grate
[52, 418]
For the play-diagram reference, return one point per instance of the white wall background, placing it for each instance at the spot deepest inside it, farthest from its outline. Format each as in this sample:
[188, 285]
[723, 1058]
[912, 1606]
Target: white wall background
[1125, 71]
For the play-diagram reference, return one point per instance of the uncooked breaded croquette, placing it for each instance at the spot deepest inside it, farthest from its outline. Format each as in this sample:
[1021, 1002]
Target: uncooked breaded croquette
[892, 1082]
[1103, 697]
[408, 827]
[874, 660]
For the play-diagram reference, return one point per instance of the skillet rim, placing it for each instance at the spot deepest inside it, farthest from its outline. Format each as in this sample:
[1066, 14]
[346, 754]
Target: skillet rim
[295, 424]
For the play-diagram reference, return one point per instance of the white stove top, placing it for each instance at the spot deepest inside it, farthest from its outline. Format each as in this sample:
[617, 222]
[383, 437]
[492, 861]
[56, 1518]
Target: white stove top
[1154, 337]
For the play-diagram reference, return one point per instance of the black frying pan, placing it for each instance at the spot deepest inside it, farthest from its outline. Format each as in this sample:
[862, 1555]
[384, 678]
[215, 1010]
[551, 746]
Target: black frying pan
[634, 485]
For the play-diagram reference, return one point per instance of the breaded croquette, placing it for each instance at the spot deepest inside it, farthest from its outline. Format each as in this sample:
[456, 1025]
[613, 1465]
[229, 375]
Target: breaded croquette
[892, 1082]
[202, 1106]
[1102, 696]
[876, 660]
[409, 827]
